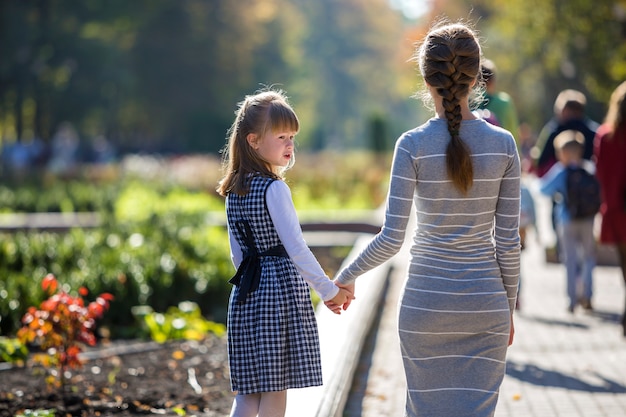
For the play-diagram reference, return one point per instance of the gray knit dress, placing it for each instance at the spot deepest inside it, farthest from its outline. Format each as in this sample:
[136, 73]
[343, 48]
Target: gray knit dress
[454, 313]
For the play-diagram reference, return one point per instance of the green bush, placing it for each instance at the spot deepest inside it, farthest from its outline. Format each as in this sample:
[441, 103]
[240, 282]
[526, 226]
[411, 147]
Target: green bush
[12, 350]
[58, 197]
[184, 321]
[37, 413]
[158, 262]
[331, 181]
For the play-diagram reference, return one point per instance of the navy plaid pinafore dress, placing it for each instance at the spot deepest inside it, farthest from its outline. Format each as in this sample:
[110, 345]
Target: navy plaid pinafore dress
[273, 343]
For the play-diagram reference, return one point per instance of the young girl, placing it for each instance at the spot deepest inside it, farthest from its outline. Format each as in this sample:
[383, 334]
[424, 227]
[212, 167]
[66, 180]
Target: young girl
[272, 332]
[462, 176]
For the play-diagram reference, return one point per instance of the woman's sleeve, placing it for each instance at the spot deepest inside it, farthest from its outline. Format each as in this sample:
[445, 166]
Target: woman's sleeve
[285, 219]
[389, 240]
[506, 230]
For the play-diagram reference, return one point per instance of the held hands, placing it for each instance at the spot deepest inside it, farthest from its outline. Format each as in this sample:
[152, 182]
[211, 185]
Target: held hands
[343, 298]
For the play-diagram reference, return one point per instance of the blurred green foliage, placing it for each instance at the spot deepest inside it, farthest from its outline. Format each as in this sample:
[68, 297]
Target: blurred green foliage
[159, 243]
[166, 75]
[339, 181]
[59, 197]
[159, 262]
[184, 321]
[12, 350]
[156, 248]
[541, 47]
[37, 413]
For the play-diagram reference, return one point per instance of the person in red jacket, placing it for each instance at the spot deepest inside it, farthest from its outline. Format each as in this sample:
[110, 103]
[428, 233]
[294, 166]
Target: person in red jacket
[610, 154]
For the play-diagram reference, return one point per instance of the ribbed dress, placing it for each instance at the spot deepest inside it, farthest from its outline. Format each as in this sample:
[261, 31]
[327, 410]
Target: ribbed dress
[454, 313]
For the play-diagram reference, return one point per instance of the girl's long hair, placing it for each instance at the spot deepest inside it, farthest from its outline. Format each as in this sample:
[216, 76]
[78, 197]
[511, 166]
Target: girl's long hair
[260, 114]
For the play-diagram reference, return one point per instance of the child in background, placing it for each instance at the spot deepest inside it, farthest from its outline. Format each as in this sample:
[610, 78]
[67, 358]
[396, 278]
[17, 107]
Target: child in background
[527, 219]
[575, 235]
[273, 343]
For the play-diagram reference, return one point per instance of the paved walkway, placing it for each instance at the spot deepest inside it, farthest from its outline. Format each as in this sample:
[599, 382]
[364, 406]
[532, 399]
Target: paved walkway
[561, 364]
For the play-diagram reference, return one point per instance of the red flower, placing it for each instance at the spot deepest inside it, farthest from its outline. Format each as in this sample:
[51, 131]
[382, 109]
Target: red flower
[96, 309]
[49, 284]
[62, 324]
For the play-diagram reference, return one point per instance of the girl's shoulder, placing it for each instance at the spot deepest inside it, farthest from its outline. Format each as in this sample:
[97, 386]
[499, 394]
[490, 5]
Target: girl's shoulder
[277, 184]
[260, 180]
[255, 184]
[276, 189]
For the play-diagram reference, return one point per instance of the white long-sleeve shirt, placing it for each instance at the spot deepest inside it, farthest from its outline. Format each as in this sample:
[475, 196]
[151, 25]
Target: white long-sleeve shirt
[285, 219]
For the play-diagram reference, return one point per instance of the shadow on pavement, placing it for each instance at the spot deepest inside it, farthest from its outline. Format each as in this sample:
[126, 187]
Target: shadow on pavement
[535, 375]
[556, 322]
[607, 317]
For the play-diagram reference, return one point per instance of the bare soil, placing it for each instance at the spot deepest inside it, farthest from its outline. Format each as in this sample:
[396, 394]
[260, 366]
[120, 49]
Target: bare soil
[136, 378]
[130, 379]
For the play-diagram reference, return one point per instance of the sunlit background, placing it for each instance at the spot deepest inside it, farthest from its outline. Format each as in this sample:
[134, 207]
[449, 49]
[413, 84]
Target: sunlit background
[113, 115]
[165, 76]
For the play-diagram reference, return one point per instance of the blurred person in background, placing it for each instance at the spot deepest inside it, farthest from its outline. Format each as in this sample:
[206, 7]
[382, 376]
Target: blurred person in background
[498, 103]
[527, 141]
[575, 233]
[610, 155]
[569, 114]
[64, 150]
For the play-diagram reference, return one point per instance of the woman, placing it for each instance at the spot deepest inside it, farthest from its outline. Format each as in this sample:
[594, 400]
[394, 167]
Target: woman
[610, 153]
[463, 176]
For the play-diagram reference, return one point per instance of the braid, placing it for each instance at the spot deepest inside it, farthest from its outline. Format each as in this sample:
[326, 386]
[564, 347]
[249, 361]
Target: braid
[450, 61]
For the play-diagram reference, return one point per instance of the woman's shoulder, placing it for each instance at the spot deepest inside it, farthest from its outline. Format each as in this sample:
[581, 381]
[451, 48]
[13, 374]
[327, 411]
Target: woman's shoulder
[424, 131]
[496, 135]
[484, 126]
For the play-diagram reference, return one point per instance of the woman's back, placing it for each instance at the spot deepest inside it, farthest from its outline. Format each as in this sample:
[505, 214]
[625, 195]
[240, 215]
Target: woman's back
[444, 215]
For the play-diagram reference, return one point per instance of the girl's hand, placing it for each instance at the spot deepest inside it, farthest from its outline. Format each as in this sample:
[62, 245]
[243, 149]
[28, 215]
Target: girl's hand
[512, 332]
[333, 307]
[342, 299]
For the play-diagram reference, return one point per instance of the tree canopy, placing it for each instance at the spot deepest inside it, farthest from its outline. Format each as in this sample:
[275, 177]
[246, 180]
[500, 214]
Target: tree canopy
[166, 75]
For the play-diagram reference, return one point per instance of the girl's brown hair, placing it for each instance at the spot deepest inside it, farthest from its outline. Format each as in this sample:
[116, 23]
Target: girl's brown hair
[616, 115]
[449, 60]
[259, 114]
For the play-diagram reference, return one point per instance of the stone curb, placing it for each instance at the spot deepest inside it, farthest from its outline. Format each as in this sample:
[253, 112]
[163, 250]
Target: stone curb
[341, 341]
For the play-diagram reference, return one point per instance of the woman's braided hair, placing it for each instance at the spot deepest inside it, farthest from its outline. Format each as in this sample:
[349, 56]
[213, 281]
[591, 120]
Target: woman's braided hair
[449, 60]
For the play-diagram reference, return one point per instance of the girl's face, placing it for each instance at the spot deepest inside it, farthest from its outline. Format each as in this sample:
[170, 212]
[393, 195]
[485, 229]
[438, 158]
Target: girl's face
[276, 148]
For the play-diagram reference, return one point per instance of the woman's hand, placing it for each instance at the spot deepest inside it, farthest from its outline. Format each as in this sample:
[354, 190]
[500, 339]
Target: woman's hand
[512, 331]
